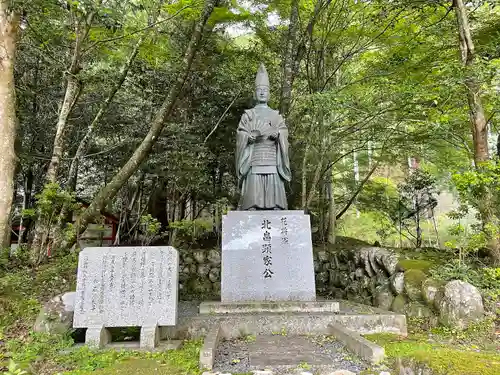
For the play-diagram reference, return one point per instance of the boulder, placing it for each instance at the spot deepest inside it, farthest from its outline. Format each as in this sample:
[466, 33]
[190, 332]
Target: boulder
[317, 265]
[359, 273]
[192, 269]
[199, 287]
[323, 256]
[398, 283]
[214, 275]
[214, 257]
[390, 262]
[199, 256]
[460, 304]
[203, 270]
[334, 277]
[383, 298]
[322, 277]
[413, 280]
[56, 316]
[418, 310]
[399, 304]
[430, 289]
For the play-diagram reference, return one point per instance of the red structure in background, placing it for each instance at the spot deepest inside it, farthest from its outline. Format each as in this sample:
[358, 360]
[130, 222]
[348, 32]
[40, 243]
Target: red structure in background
[109, 219]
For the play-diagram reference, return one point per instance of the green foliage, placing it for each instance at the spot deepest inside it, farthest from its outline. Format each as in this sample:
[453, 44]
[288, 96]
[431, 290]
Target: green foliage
[51, 200]
[14, 369]
[473, 184]
[193, 229]
[150, 229]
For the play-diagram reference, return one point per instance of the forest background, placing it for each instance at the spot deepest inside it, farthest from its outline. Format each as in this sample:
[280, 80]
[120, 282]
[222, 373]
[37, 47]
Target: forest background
[131, 107]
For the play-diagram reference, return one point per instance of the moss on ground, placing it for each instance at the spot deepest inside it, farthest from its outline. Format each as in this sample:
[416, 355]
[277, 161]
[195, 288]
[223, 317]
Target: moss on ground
[416, 264]
[445, 352]
[44, 354]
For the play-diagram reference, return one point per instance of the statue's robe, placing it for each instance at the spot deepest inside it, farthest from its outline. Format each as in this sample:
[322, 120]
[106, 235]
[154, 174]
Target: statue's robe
[262, 167]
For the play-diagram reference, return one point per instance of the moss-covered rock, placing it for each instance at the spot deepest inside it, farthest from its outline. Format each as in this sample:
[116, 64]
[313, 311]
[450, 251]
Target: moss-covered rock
[415, 264]
[418, 310]
[430, 289]
[460, 305]
[413, 284]
[383, 298]
[399, 304]
[398, 283]
[56, 316]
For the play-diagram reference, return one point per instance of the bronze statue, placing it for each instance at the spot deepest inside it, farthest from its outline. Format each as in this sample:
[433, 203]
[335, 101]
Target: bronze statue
[262, 163]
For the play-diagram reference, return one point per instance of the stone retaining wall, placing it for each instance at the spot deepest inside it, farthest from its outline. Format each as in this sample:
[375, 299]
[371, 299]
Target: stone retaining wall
[368, 275]
[353, 274]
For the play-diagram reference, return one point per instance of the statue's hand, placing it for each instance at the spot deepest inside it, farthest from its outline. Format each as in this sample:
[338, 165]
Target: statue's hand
[251, 138]
[273, 136]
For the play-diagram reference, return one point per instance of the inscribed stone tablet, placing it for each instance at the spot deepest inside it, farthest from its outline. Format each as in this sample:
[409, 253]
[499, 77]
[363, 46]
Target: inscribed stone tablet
[127, 286]
[267, 256]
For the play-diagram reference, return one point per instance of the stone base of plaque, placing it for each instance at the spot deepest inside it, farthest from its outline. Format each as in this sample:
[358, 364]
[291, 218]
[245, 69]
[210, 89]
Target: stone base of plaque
[162, 346]
[263, 307]
[150, 337]
[97, 337]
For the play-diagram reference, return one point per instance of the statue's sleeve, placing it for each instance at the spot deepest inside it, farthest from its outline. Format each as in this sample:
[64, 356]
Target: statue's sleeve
[243, 148]
[283, 162]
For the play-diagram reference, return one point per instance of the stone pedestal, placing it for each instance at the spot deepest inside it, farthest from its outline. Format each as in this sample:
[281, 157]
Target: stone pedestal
[150, 337]
[97, 337]
[267, 256]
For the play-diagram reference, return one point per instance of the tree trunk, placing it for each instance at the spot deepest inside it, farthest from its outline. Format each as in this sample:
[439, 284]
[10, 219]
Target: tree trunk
[288, 61]
[314, 183]
[84, 143]
[9, 28]
[331, 211]
[478, 123]
[304, 177]
[71, 94]
[72, 90]
[356, 176]
[356, 193]
[108, 192]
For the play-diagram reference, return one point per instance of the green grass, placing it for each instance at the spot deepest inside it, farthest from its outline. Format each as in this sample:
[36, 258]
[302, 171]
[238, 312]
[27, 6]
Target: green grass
[45, 354]
[173, 362]
[454, 358]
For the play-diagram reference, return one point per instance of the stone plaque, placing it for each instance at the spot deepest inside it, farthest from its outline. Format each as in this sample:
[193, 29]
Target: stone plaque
[127, 286]
[267, 256]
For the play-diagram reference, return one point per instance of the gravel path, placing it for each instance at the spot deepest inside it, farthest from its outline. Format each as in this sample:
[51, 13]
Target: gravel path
[233, 356]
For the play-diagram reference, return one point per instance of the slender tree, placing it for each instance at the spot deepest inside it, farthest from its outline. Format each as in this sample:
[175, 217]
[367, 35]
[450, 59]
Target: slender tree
[478, 122]
[9, 29]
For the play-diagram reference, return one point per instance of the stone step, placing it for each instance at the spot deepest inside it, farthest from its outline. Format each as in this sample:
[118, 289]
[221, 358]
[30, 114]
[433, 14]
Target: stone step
[277, 307]
[238, 325]
[281, 350]
[289, 360]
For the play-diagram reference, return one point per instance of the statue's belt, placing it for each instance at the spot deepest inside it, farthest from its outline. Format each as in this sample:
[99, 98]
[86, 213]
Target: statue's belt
[263, 169]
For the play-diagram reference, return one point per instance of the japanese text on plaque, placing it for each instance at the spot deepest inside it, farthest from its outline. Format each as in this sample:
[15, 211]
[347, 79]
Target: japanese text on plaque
[267, 254]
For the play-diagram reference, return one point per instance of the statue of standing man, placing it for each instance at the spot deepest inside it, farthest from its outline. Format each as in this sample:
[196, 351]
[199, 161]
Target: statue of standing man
[262, 162]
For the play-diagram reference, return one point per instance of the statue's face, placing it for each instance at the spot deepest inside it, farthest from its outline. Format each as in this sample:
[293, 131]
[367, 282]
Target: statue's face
[262, 94]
